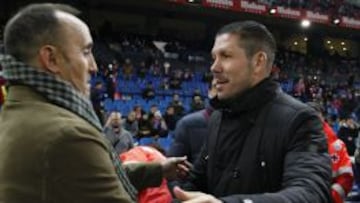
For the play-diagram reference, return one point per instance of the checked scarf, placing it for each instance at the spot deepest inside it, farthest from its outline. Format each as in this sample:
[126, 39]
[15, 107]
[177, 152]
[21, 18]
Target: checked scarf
[61, 93]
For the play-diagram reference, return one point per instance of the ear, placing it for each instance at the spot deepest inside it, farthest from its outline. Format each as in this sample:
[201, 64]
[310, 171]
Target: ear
[49, 59]
[259, 62]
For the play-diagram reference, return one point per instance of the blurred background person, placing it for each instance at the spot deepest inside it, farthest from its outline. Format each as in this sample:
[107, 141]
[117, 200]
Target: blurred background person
[342, 171]
[120, 139]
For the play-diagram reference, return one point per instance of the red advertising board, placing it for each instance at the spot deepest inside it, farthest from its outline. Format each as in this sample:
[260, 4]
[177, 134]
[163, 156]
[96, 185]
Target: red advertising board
[253, 7]
[350, 22]
[224, 4]
[284, 12]
[288, 12]
[316, 17]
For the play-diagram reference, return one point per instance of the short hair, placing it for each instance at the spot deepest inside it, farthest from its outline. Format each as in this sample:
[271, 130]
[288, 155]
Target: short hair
[254, 37]
[33, 26]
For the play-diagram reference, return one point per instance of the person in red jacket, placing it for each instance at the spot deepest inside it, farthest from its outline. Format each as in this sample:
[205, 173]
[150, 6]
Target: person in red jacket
[342, 172]
[159, 194]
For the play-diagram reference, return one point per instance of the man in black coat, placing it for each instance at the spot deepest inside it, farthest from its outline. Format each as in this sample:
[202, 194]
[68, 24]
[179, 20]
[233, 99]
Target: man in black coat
[264, 146]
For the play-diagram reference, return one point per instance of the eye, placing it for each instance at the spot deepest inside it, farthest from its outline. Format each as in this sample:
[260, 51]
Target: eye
[225, 55]
[87, 51]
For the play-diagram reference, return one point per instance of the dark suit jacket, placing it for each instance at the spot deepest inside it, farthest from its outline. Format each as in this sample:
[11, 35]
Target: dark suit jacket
[190, 133]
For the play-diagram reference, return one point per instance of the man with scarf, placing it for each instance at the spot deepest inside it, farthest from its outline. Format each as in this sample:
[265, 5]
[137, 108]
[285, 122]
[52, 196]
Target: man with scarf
[52, 148]
[263, 145]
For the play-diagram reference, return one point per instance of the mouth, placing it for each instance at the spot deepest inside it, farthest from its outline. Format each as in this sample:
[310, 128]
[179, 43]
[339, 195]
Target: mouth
[220, 82]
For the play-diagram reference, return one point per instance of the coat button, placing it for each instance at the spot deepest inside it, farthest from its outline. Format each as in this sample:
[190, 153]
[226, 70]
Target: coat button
[236, 173]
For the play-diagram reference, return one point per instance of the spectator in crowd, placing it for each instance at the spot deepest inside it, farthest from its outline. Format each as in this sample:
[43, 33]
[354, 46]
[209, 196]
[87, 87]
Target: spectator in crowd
[110, 83]
[120, 139]
[197, 104]
[142, 70]
[97, 96]
[165, 84]
[170, 118]
[131, 124]
[139, 112]
[159, 127]
[148, 92]
[348, 132]
[128, 69]
[342, 172]
[188, 75]
[153, 108]
[178, 105]
[155, 69]
[145, 127]
[48, 116]
[196, 92]
[175, 80]
[263, 145]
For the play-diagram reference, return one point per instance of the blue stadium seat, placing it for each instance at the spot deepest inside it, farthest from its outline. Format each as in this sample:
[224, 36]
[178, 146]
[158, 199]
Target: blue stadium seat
[164, 143]
[146, 141]
[108, 105]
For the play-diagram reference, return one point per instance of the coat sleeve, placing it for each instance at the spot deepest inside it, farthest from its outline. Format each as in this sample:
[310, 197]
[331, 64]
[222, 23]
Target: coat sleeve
[80, 169]
[307, 167]
[143, 175]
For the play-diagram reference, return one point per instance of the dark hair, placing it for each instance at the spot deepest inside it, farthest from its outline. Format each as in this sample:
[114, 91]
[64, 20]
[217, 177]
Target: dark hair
[253, 37]
[33, 26]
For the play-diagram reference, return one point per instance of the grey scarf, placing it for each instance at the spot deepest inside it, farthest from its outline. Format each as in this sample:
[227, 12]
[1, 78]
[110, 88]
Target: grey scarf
[61, 93]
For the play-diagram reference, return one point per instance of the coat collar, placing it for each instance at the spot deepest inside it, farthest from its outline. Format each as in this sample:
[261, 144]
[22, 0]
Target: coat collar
[250, 100]
[21, 92]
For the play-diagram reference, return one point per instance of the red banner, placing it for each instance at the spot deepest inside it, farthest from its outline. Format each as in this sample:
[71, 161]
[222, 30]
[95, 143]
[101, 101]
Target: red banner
[253, 7]
[350, 22]
[257, 8]
[288, 12]
[224, 4]
[316, 17]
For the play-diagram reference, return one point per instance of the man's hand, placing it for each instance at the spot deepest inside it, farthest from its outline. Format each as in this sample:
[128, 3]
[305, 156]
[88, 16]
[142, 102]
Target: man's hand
[194, 197]
[175, 167]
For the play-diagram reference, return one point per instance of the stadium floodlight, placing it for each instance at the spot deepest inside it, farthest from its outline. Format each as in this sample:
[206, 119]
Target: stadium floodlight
[336, 21]
[305, 23]
[272, 11]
